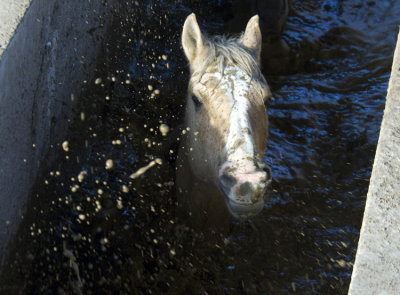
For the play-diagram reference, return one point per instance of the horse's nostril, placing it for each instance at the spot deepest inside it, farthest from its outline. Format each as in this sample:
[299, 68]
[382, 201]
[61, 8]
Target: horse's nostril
[228, 180]
[244, 189]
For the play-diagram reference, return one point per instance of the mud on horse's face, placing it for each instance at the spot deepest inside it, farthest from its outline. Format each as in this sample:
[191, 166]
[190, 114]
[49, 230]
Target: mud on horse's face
[227, 116]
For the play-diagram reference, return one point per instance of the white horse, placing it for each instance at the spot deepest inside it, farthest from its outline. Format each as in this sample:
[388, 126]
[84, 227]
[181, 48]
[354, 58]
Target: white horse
[220, 163]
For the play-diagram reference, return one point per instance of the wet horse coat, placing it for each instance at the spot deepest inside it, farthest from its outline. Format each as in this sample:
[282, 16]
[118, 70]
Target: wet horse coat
[220, 167]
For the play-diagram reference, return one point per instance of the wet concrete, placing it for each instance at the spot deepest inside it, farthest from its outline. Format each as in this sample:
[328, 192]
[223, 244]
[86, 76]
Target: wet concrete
[376, 269]
[47, 51]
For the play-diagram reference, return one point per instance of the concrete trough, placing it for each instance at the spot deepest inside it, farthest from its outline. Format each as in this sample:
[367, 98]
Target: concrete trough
[377, 265]
[47, 49]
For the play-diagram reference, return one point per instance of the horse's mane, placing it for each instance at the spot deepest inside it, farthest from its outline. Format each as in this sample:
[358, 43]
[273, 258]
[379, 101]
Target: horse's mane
[229, 51]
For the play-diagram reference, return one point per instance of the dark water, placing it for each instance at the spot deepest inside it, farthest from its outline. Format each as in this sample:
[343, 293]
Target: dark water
[122, 235]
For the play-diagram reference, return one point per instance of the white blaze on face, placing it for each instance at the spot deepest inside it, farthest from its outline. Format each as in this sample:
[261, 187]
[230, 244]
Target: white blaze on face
[239, 146]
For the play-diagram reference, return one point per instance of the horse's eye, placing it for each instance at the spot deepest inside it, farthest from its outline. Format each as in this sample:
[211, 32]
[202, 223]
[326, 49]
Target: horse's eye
[197, 102]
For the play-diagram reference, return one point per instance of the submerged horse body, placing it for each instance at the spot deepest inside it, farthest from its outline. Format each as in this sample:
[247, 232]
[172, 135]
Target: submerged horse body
[220, 164]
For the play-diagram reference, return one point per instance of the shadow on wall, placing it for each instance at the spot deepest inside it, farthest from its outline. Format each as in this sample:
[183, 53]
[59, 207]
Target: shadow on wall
[41, 72]
[273, 15]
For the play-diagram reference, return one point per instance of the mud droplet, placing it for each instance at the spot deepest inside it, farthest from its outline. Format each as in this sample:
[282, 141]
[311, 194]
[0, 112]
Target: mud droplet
[109, 164]
[164, 129]
[65, 146]
[81, 176]
[74, 188]
[143, 170]
[119, 204]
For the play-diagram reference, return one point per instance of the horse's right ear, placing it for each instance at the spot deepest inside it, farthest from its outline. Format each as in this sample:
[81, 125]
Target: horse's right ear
[192, 39]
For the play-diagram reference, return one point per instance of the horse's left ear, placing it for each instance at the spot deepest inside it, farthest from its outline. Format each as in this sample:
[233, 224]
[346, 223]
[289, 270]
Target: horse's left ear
[252, 37]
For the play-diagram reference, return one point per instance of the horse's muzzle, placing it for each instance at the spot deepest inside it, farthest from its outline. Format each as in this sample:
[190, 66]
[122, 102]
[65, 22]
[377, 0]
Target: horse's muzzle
[244, 190]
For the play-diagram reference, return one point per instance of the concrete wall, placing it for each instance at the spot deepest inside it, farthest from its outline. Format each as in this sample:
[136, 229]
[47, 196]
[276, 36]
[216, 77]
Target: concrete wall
[377, 266]
[47, 49]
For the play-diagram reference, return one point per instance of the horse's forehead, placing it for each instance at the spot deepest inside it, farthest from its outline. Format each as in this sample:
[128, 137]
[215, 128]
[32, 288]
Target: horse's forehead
[230, 79]
[232, 84]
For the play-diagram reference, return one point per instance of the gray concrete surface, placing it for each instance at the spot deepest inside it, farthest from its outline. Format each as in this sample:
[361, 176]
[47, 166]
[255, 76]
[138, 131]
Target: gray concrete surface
[11, 13]
[377, 266]
[47, 49]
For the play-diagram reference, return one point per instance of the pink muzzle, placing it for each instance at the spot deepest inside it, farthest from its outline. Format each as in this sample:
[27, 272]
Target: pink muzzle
[244, 189]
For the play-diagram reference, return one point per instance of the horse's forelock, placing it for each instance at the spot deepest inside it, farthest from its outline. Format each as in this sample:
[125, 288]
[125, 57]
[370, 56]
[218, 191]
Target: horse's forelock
[222, 52]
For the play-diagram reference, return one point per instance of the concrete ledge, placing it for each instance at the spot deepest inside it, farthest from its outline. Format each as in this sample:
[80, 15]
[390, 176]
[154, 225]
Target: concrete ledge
[377, 265]
[47, 49]
[11, 13]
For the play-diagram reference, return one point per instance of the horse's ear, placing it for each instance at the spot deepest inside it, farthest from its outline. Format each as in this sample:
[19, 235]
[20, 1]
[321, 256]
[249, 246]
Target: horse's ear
[252, 37]
[192, 39]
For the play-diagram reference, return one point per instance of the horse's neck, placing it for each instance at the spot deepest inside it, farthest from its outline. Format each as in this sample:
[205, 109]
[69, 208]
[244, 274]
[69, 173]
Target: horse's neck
[185, 175]
[202, 199]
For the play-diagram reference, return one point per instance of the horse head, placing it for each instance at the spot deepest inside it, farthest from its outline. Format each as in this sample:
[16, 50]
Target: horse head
[226, 114]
